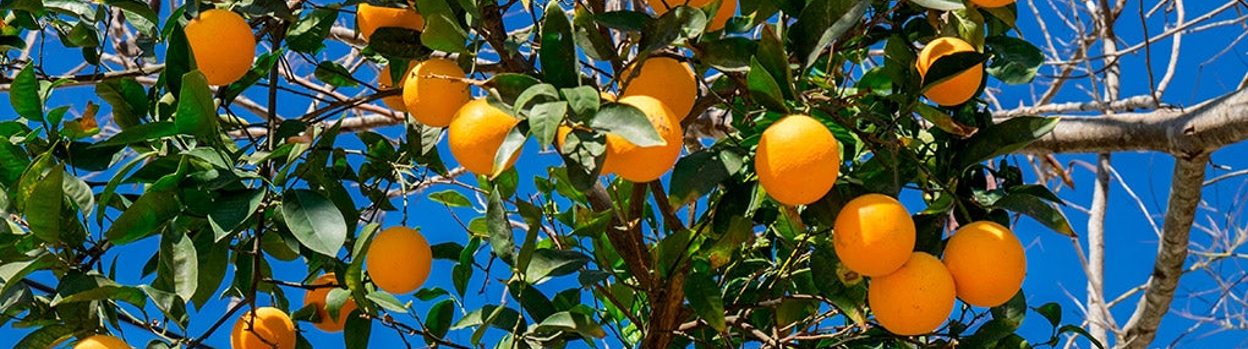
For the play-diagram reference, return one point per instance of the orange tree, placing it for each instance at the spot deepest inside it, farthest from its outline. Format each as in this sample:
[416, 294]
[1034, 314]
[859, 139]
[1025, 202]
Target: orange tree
[741, 189]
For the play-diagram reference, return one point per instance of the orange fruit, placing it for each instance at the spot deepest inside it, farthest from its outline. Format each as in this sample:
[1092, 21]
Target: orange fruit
[644, 164]
[384, 81]
[399, 260]
[318, 296]
[797, 160]
[101, 341]
[368, 18]
[476, 133]
[667, 80]
[987, 263]
[992, 3]
[263, 328]
[873, 235]
[726, 9]
[958, 89]
[223, 45]
[915, 299]
[432, 94]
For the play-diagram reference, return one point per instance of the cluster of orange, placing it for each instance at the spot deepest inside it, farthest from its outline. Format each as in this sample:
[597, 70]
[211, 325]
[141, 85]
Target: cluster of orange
[912, 292]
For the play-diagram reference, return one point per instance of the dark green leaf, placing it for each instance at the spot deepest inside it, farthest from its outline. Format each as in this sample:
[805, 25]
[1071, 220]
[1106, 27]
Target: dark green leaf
[950, 66]
[558, 50]
[501, 240]
[705, 298]
[822, 22]
[677, 24]
[700, 172]
[764, 88]
[315, 221]
[127, 98]
[356, 331]
[144, 216]
[1015, 61]
[544, 120]
[308, 35]
[1051, 312]
[46, 337]
[196, 115]
[450, 198]
[624, 20]
[548, 263]
[179, 265]
[1004, 138]
[438, 320]
[334, 74]
[1038, 209]
[141, 133]
[24, 94]
[628, 122]
[44, 206]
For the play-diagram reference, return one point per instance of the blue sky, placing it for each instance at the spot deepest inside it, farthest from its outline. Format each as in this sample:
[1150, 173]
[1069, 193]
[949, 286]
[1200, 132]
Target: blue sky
[1054, 269]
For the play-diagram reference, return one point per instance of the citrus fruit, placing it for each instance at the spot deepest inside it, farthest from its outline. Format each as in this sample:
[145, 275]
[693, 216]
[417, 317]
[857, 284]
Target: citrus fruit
[915, 299]
[269, 328]
[644, 164]
[432, 93]
[797, 160]
[987, 263]
[399, 260]
[961, 87]
[476, 133]
[873, 235]
[368, 18]
[667, 80]
[384, 81]
[223, 45]
[992, 3]
[101, 341]
[726, 9]
[318, 296]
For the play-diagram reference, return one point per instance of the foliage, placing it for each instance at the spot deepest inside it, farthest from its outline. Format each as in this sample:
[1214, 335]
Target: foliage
[182, 168]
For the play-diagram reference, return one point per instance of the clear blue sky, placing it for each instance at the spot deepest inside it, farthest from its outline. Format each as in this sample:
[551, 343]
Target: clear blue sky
[1054, 269]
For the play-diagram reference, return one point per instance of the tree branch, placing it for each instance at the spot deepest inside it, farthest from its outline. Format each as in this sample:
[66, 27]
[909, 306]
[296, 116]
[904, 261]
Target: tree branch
[1185, 193]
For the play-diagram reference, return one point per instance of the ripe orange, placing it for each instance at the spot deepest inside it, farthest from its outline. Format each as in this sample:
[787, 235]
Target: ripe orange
[318, 296]
[915, 299]
[797, 160]
[955, 90]
[644, 164]
[101, 341]
[385, 82]
[476, 133]
[368, 18]
[873, 235]
[223, 45]
[667, 80]
[432, 94]
[992, 3]
[399, 260]
[726, 9]
[270, 329]
[987, 262]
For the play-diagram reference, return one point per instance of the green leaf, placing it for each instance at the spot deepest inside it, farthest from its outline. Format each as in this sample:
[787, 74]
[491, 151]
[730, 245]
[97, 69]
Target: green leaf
[308, 35]
[548, 263]
[940, 5]
[1013, 311]
[700, 172]
[1038, 209]
[535, 93]
[150, 212]
[1051, 312]
[315, 221]
[231, 209]
[132, 295]
[705, 298]
[24, 94]
[632, 21]
[544, 120]
[674, 26]
[13, 161]
[334, 74]
[507, 151]
[213, 261]
[44, 206]
[1003, 138]
[1015, 61]
[944, 121]
[950, 66]
[450, 198]
[138, 14]
[822, 22]
[731, 54]
[764, 88]
[141, 133]
[127, 98]
[1082, 332]
[571, 321]
[46, 337]
[357, 331]
[12, 273]
[462, 272]
[179, 265]
[628, 122]
[505, 319]
[442, 33]
[264, 64]
[501, 241]
[512, 85]
[438, 320]
[583, 152]
[386, 300]
[197, 114]
[584, 100]
[558, 50]
[400, 43]
[178, 58]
